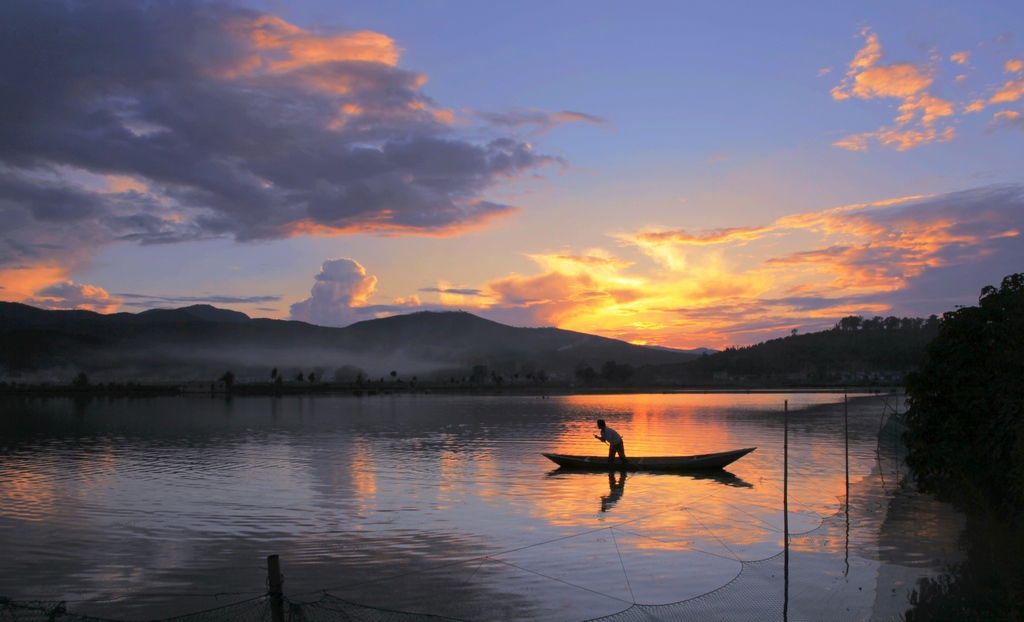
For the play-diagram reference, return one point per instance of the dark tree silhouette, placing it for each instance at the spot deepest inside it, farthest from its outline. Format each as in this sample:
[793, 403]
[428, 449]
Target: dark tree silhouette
[965, 426]
[479, 374]
[966, 441]
[585, 373]
[614, 373]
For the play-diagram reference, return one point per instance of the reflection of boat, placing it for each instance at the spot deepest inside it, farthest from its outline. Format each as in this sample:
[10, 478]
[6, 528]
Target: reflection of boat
[719, 475]
[701, 462]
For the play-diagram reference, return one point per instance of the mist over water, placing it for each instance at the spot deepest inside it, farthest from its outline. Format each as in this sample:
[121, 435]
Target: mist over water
[437, 504]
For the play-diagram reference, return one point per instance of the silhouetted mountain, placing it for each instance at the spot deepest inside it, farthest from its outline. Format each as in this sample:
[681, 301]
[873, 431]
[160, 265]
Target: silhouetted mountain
[203, 342]
[855, 351]
[696, 351]
[203, 312]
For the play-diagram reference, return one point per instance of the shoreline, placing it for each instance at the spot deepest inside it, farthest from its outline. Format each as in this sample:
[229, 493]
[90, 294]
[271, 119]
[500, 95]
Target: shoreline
[268, 390]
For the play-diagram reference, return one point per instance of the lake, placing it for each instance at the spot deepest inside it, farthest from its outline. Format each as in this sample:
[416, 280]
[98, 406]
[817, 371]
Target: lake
[443, 505]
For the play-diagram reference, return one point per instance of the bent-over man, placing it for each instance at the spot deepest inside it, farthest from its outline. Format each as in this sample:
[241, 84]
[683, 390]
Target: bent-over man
[614, 440]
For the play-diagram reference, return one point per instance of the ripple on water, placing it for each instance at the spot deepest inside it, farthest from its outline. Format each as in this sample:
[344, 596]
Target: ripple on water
[167, 495]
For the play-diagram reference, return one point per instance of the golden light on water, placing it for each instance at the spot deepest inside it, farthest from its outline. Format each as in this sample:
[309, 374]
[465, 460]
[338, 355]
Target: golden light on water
[26, 495]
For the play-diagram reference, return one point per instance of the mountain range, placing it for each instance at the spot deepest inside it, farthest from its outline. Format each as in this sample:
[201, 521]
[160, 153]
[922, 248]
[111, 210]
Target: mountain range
[204, 342]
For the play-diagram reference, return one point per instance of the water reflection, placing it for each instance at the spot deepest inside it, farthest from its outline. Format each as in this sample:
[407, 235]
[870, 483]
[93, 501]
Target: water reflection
[370, 497]
[616, 486]
[617, 480]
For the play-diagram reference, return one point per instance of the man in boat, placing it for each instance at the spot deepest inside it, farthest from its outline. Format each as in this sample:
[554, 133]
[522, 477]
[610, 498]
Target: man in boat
[614, 440]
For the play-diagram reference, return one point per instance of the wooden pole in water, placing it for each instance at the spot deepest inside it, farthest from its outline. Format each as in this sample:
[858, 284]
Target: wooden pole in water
[785, 508]
[846, 434]
[896, 438]
[276, 593]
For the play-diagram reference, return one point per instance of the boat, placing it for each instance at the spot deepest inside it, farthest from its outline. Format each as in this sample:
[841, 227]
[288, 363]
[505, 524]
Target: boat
[700, 462]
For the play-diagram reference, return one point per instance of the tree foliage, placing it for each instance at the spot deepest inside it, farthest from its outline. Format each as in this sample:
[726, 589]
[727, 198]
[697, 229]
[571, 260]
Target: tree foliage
[854, 346]
[965, 430]
[615, 373]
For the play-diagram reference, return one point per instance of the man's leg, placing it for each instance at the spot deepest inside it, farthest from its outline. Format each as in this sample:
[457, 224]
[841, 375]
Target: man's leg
[621, 450]
[611, 453]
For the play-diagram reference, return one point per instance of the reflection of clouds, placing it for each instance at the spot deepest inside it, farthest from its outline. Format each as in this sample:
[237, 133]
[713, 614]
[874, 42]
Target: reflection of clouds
[362, 470]
[428, 502]
[27, 495]
[683, 513]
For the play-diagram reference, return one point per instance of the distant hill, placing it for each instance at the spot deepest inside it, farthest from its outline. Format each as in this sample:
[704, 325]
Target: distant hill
[855, 351]
[201, 342]
[696, 351]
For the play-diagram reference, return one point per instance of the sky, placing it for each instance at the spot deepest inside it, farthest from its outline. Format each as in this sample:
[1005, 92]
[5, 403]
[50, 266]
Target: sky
[674, 174]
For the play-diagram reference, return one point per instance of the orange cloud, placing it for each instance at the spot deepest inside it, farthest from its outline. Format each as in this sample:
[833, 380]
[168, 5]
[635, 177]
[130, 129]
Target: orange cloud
[672, 247]
[854, 142]
[976, 106]
[384, 226]
[20, 283]
[342, 285]
[1008, 117]
[278, 46]
[919, 112]
[888, 251]
[581, 263]
[1010, 92]
[411, 301]
[120, 183]
[921, 116]
[727, 286]
[900, 81]
[595, 294]
[68, 295]
[714, 236]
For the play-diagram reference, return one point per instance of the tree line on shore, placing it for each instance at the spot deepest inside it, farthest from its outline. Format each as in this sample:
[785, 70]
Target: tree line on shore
[965, 441]
[857, 351]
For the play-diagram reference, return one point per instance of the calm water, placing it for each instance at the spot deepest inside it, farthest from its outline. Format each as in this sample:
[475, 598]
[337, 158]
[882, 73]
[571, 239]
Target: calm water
[155, 507]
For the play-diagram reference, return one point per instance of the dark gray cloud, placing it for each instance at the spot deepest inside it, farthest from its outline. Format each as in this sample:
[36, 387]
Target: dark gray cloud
[537, 120]
[452, 290]
[147, 301]
[158, 122]
[69, 295]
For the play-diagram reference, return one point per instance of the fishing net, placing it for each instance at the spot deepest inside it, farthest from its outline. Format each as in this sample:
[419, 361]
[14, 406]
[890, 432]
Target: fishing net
[815, 577]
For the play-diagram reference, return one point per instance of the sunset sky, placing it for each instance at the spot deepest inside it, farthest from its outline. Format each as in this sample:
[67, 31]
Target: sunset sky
[675, 174]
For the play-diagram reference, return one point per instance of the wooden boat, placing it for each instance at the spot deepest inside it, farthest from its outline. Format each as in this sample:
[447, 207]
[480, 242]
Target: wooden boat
[700, 462]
